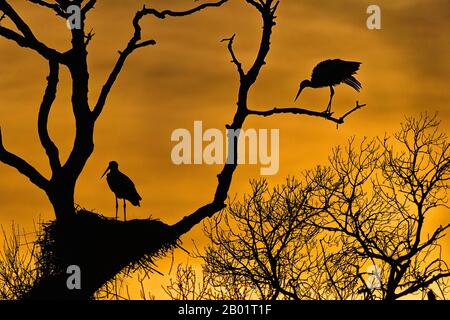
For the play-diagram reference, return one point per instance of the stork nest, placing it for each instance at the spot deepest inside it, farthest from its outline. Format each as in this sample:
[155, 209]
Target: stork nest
[102, 247]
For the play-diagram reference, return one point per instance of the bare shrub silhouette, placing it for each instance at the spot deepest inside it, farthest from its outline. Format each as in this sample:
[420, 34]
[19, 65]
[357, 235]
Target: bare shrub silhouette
[186, 286]
[77, 236]
[358, 228]
[18, 260]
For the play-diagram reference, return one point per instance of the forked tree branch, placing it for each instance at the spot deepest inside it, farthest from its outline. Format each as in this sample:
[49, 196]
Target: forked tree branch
[44, 111]
[16, 19]
[135, 43]
[26, 39]
[233, 56]
[246, 82]
[89, 37]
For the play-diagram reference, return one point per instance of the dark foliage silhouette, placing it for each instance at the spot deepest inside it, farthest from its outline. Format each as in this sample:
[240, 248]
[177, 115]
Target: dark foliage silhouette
[77, 236]
[330, 73]
[122, 186]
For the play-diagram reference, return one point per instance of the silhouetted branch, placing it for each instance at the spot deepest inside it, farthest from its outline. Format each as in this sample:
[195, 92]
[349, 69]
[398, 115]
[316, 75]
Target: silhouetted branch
[275, 7]
[300, 111]
[47, 102]
[22, 166]
[163, 14]
[259, 5]
[37, 46]
[186, 286]
[268, 15]
[246, 82]
[16, 19]
[145, 43]
[422, 284]
[358, 106]
[89, 37]
[328, 272]
[233, 55]
[437, 234]
[54, 6]
[135, 43]
[27, 38]
[89, 6]
[186, 224]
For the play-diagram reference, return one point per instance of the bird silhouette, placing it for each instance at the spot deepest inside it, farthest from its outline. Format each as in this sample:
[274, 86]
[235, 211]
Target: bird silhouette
[431, 295]
[122, 187]
[330, 73]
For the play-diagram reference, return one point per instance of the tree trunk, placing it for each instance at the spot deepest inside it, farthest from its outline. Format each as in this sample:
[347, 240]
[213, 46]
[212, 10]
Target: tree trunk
[61, 196]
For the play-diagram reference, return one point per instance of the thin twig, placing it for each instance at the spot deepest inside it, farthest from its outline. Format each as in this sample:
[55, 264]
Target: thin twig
[233, 55]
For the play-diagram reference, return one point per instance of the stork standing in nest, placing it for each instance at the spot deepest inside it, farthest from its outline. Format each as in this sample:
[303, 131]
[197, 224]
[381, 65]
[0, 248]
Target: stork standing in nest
[122, 187]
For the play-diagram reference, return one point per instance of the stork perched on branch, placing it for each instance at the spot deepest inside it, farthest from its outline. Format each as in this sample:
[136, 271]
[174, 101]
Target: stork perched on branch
[330, 73]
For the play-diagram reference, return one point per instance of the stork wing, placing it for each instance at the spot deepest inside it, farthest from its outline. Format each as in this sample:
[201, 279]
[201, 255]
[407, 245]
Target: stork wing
[129, 188]
[330, 72]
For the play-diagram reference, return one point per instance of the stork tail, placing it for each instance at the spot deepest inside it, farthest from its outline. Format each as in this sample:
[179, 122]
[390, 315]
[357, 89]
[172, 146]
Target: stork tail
[353, 82]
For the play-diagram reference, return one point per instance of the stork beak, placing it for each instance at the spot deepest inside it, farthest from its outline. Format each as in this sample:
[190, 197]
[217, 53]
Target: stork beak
[298, 93]
[106, 171]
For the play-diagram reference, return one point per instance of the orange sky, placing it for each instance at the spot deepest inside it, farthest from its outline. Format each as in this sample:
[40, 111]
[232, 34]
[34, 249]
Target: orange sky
[188, 77]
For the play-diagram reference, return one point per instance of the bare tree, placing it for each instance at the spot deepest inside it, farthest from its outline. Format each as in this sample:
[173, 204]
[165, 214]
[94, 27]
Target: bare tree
[355, 229]
[378, 198]
[61, 185]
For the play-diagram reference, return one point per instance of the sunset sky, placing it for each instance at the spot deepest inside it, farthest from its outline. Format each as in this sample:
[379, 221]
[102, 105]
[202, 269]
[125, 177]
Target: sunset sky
[188, 76]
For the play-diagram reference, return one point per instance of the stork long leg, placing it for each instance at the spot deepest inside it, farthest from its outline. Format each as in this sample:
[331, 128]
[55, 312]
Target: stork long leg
[117, 207]
[331, 99]
[124, 210]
